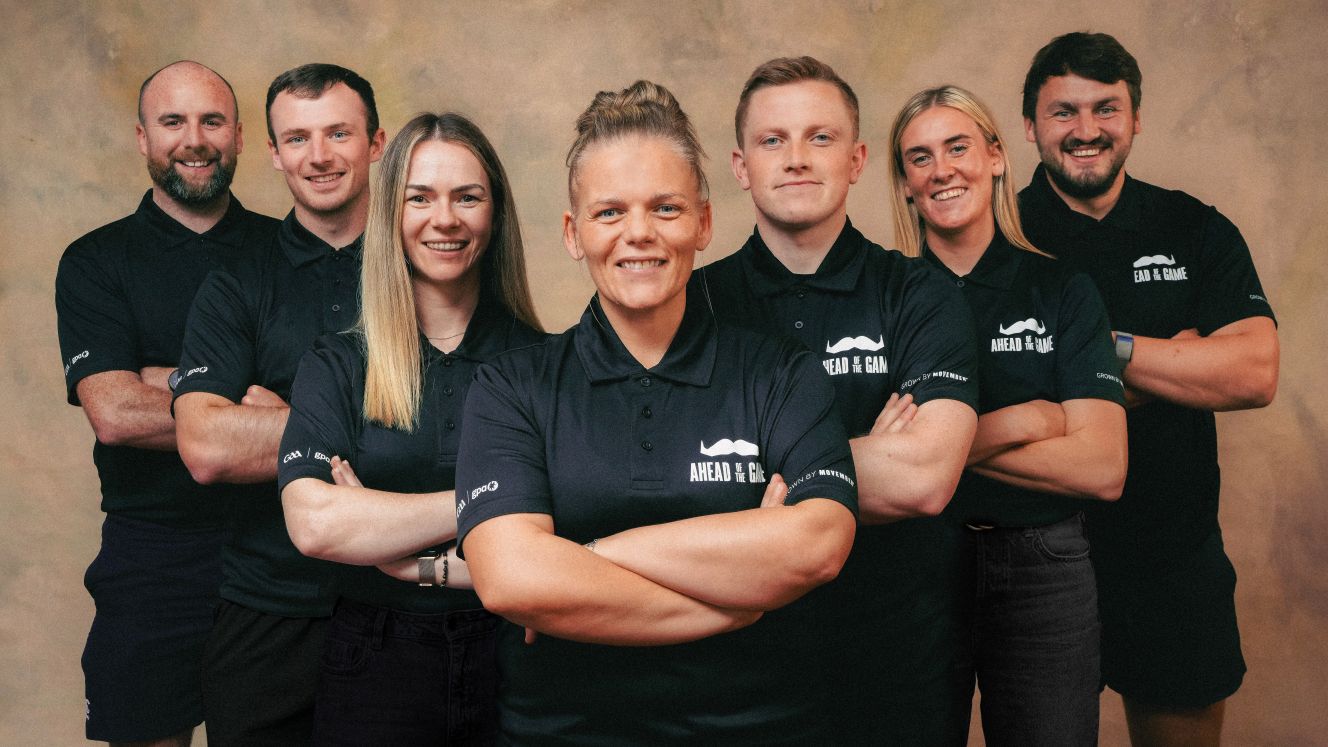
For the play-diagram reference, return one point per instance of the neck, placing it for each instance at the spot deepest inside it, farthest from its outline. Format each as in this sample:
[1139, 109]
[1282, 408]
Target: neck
[197, 218]
[340, 227]
[801, 249]
[444, 310]
[961, 250]
[647, 333]
[1094, 207]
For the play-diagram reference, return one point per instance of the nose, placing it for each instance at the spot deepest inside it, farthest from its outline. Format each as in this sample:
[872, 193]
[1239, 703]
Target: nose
[1085, 127]
[943, 170]
[795, 156]
[444, 215]
[318, 151]
[193, 135]
[637, 229]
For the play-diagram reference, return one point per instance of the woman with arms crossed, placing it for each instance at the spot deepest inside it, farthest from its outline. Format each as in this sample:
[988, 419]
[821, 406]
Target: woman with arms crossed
[1051, 427]
[444, 288]
[619, 492]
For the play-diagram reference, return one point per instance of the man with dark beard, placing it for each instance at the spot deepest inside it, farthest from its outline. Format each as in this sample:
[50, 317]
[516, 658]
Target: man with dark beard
[1196, 335]
[122, 295]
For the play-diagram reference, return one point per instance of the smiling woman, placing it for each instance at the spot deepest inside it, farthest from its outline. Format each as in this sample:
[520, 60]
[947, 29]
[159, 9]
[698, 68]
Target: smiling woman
[592, 438]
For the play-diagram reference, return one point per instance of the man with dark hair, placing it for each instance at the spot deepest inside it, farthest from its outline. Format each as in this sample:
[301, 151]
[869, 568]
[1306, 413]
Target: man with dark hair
[897, 342]
[122, 294]
[246, 333]
[1196, 335]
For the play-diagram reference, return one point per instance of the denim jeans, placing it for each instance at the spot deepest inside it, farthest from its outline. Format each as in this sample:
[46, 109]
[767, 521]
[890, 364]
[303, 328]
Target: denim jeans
[1035, 634]
[398, 678]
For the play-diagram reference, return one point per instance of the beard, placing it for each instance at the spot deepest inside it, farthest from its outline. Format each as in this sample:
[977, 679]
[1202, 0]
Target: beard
[164, 175]
[1086, 184]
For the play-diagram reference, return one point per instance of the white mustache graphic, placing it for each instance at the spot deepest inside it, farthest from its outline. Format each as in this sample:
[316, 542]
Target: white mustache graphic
[1156, 259]
[856, 343]
[725, 447]
[1028, 325]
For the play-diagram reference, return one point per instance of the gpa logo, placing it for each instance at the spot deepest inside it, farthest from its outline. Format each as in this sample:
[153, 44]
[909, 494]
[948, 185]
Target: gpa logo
[192, 371]
[293, 455]
[485, 488]
[74, 360]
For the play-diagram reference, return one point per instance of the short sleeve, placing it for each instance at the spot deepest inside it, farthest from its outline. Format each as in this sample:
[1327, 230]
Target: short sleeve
[937, 354]
[323, 416]
[1086, 363]
[94, 319]
[1229, 285]
[501, 466]
[218, 352]
[806, 441]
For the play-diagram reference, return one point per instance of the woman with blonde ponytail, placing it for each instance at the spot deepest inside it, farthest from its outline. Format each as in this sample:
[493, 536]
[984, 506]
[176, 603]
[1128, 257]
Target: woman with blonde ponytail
[443, 289]
[645, 492]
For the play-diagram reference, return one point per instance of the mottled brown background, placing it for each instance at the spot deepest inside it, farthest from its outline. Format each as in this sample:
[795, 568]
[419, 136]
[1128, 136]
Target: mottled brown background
[1233, 113]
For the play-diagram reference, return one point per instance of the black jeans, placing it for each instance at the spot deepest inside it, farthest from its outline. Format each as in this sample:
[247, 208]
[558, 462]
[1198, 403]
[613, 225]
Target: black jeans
[398, 678]
[1035, 635]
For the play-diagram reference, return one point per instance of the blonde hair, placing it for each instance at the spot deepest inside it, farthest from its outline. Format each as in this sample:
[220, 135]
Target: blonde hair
[394, 369]
[643, 108]
[1004, 199]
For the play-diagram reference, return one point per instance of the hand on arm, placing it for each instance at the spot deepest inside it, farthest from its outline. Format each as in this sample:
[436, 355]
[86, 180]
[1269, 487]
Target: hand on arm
[1088, 461]
[1016, 425]
[1234, 368]
[221, 441]
[126, 409]
[528, 575]
[911, 469]
[348, 523]
[758, 559]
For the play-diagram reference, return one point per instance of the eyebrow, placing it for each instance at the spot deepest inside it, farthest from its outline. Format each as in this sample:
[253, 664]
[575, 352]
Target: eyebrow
[947, 141]
[306, 130]
[204, 115]
[1074, 104]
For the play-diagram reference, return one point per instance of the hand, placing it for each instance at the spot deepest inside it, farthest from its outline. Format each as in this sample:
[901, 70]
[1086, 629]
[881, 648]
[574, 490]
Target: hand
[1052, 415]
[897, 414]
[775, 492]
[257, 396]
[1136, 397]
[343, 475]
[157, 377]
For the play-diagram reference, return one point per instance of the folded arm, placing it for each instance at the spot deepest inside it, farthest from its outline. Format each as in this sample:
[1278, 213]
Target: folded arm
[1015, 425]
[221, 441]
[130, 409]
[1234, 368]
[912, 470]
[1088, 461]
[525, 573]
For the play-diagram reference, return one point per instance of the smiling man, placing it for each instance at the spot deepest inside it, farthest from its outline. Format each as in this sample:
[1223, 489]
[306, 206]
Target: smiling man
[1196, 335]
[897, 342]
[246, 333]
[122, 294]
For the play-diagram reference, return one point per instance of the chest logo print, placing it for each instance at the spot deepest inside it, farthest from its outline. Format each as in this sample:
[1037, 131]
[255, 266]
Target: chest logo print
[1026, 334]
[717, 469]
[873, 363]
[855, 343]
[1163, 268]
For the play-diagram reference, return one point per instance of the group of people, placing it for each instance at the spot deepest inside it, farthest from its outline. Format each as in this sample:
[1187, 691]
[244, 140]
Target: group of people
[810, 493]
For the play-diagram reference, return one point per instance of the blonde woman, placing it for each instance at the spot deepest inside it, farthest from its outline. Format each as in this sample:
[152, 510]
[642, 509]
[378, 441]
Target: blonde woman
[1051, 426]
[369, 454]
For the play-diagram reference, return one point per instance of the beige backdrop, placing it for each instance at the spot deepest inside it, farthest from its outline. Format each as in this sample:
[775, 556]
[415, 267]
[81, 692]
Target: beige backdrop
[1232, 113]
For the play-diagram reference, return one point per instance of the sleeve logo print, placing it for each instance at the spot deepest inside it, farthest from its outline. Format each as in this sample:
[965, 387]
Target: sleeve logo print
[487, 487]
[74, 360]
[1163, 269]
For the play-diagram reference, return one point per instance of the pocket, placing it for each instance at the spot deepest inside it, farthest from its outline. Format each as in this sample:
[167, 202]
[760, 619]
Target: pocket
[344, 657]
[1063, 542]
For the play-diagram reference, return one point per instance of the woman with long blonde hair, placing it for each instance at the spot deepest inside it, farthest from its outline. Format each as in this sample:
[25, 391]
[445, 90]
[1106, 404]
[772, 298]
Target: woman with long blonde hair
[443, 289]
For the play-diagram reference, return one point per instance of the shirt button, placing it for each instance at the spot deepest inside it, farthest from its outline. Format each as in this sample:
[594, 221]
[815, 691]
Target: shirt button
[337, 281]
[645, 412]
[451, 426]
[645, 381]
[336, 307]
[448, 390]
[647, 445]
[960, 284]
[447, 362]
[802, 294]
[797, 325]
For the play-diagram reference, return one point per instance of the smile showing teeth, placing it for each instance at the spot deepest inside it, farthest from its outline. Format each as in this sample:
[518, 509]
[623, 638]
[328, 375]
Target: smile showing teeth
[196, 164]
[324, 178]
[640, 264]
[948, 194]
[444, 246]
[1085, 152]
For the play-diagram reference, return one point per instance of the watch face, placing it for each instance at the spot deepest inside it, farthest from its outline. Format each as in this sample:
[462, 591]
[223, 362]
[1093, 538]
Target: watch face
[173, 380]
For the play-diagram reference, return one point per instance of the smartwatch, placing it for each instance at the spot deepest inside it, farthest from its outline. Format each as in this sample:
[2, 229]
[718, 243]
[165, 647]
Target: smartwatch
[426, 560]
[1124, 347]
[173, 380]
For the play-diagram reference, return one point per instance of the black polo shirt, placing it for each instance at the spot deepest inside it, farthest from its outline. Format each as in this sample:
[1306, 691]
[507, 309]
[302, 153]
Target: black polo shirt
[327, 419]
[122, 295]
[251, 326]
[879, 323]
[1164, 262]
[577, 429]
[1042, 334]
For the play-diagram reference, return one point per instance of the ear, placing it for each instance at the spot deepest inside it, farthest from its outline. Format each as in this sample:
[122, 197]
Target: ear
[739, 166]
[276, 157]
[569, 238]
[376, 145]
[239, 138]
[1138, 127]
[859, 162]
[997, 159]
[142, 136]
[1030, 134]
[707, 227]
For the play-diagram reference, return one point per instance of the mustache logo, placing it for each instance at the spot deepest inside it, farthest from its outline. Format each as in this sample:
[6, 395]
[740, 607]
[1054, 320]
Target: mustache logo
[1028, 325]
[725, 447]
[856, 343]
[1156, 259]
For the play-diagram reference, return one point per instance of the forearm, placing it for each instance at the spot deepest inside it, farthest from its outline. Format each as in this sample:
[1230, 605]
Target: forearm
[123, 410]
[759, 559]
[913, 472]
[1234, 368]
[228, 442]
[361, 526]
[1089, 461]
[559, 588]
[1015, 425]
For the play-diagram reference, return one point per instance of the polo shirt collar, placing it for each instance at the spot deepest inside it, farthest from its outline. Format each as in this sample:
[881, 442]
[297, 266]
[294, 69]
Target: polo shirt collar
[301, 246]
[997, 268]
[486, 334]
[690, 358]
[171, 233]
[1127, 213]
[839, 270]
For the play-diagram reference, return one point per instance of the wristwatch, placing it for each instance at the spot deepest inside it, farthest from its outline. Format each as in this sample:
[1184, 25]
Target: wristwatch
[426, 560]
[173, 380]
[1124, 347]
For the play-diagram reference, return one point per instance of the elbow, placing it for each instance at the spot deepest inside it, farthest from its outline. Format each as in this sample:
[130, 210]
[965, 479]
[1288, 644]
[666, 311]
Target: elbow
[306, 508]
[507, 600]
[107, 433]
[203, 463]
[1110, 482]
[934, 502]
[1263, 389]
